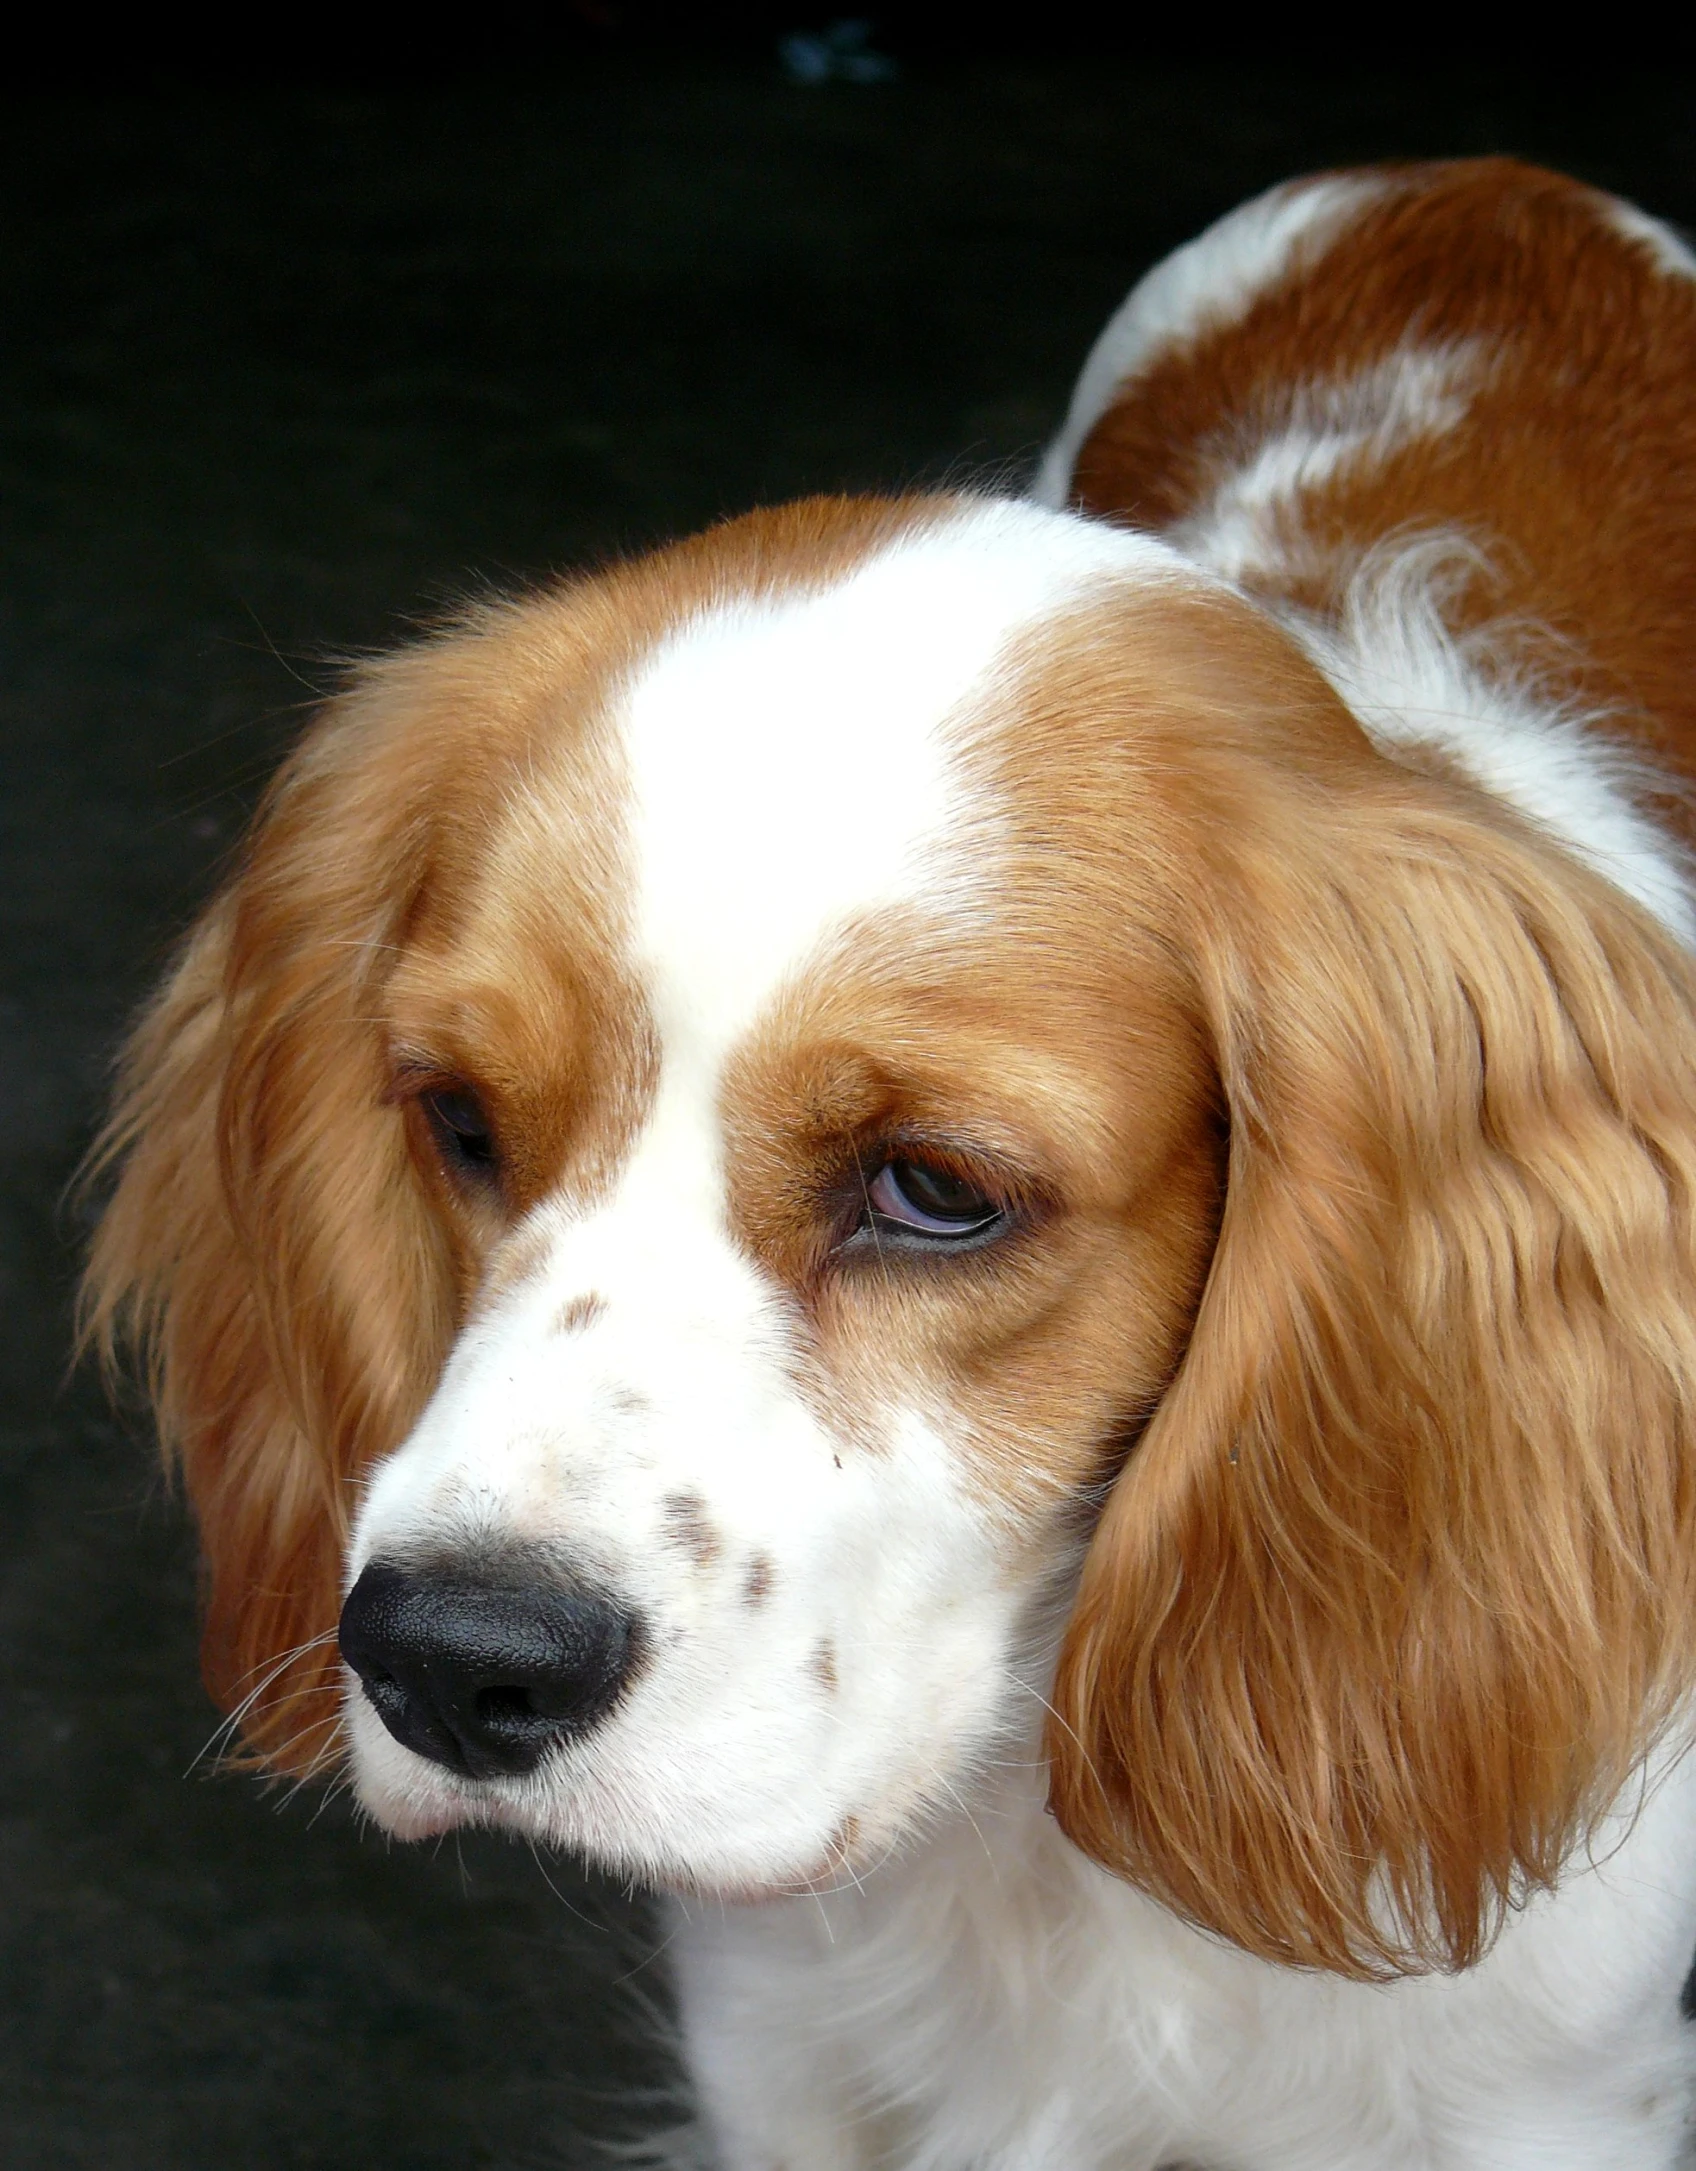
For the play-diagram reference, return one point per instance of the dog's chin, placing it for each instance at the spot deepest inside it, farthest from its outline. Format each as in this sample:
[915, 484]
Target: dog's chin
[407, 1821]
[828, 1873]
[410, 1819]
[811, 1866]
[410, 1800]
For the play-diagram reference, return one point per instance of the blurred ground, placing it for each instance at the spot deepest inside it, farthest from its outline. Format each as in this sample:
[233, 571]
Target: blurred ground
[279, 373]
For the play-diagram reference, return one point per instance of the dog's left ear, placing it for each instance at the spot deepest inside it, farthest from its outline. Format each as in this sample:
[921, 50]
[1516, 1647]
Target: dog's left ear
[1400, 1581]
[266, 1251]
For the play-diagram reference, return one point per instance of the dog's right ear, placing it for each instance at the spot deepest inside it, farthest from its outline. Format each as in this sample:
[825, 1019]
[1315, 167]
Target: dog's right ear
[1399, 1585]
[267, 1251]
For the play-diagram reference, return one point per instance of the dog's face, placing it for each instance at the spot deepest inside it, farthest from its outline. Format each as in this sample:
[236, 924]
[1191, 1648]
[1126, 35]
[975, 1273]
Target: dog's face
[829, 1208]
[731, 1106]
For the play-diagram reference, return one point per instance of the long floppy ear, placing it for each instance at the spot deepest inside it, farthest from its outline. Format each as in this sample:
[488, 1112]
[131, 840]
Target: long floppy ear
[1400, 1581]
[266, 1249]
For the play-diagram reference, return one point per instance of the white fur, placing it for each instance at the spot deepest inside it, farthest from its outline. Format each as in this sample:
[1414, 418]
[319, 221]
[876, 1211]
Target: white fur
[1250, 522]
[1208, 283]
[1671, 253]
[995, 2001]
[790, 764]
[1481, 700]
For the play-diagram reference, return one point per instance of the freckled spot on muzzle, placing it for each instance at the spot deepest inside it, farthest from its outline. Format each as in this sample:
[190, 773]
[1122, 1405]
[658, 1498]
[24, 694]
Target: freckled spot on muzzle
[579, 1313]
[688, 1525]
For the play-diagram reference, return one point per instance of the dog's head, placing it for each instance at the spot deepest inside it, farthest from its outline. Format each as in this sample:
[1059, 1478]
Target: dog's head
[760, 1141]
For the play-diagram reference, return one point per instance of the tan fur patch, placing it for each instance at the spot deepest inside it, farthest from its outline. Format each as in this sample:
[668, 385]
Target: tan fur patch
[1072, 1076]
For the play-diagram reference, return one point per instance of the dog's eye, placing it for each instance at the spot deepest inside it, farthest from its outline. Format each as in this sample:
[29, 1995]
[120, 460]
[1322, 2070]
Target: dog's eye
[930, 1202]
[462, 1132]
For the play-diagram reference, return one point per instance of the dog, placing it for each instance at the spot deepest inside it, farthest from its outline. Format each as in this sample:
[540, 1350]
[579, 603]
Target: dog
[965, 1226]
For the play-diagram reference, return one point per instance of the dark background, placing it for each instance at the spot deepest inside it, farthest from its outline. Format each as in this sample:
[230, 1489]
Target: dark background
[281, 371]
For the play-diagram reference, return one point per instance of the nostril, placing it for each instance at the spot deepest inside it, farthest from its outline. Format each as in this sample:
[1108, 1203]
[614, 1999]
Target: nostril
[484, 1676]
[501, 1706]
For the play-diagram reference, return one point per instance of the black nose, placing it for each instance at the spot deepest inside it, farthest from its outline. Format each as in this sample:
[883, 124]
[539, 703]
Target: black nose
[483, 1677]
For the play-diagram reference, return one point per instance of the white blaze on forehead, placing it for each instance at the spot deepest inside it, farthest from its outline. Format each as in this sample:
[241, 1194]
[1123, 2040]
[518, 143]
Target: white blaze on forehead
[790, 760]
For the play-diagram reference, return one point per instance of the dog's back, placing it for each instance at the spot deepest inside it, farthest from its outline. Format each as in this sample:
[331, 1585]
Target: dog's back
[1479, 348]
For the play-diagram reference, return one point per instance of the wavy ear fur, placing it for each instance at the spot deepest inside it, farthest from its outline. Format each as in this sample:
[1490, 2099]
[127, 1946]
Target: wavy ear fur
[266, 1248]
[1400, 1582]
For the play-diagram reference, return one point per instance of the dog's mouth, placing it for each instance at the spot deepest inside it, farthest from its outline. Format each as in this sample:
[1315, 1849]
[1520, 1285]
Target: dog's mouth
[582, 1804]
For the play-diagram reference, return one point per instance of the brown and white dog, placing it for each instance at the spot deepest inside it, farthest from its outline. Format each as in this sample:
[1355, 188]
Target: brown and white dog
[977, 1225]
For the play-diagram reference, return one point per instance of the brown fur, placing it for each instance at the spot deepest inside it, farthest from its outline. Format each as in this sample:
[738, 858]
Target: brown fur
[688, 1525]
[579, 1314]
[1066, 1081]
[1402, 1575]
[1572, 465]
[1400, 1580]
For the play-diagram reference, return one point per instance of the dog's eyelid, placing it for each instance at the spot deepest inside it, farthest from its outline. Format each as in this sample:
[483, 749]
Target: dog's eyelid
[1016, 1199]
[414, 1074]
[1010, 1180]
[414, 1071]
[455, 1113]
[409, 1085]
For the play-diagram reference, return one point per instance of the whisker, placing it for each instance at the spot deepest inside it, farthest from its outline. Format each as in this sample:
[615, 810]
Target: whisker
[321, 1757]
[1069, 1730]
[648, 1958]
[960, 1803]
[576, 1913]
[230, 1725]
